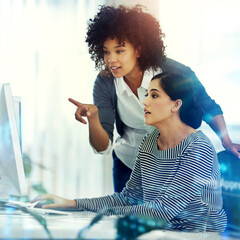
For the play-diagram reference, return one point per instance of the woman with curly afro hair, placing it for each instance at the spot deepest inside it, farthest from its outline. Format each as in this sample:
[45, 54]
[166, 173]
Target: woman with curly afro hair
[126, 44]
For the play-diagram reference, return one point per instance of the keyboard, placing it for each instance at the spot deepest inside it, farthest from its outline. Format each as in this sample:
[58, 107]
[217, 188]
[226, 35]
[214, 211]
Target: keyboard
[31, 206]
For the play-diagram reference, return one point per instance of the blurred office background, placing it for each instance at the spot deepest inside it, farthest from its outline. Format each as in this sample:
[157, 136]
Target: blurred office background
[44, 56]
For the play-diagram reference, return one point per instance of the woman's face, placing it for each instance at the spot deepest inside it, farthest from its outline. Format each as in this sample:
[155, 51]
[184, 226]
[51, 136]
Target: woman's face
[121, 58]
[158, 105]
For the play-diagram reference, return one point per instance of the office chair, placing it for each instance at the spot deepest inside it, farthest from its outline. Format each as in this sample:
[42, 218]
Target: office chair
[230, 180]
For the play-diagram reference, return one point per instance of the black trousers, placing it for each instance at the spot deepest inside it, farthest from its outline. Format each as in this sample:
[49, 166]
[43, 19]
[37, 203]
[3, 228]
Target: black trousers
[121, 173]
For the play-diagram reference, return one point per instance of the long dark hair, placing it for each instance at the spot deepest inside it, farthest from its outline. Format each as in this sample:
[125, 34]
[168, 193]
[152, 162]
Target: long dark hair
[179, 87]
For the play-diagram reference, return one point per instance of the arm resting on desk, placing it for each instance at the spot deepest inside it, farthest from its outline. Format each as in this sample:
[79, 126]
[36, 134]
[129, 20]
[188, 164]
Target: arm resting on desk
[218, 125]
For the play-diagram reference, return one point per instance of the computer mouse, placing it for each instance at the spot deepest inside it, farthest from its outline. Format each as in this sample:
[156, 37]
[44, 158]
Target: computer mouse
[44, 202]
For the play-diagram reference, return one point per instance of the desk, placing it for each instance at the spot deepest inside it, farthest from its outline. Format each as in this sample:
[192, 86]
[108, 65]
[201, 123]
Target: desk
[23, 226]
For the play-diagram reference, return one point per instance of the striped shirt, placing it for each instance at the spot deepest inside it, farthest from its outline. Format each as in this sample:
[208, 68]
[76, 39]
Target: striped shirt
[180, 186]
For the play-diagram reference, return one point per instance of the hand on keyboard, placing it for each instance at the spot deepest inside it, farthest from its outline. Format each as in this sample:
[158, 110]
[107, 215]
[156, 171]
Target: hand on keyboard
[53, 201]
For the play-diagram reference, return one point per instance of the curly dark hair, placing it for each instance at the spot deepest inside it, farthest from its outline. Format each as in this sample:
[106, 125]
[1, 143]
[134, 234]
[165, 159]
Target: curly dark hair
[139, 28]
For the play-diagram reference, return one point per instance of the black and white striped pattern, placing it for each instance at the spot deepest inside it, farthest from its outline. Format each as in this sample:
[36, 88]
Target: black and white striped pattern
[180, 185]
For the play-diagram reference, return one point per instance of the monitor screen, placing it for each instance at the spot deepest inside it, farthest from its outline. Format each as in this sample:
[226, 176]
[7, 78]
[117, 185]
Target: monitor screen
[12, 177]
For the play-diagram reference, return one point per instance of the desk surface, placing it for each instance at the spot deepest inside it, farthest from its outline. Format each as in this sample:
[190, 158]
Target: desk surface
[20, 225]
[23, 226]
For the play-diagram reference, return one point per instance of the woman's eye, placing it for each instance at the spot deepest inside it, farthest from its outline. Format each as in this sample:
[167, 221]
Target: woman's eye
[120, 51]
[105, 52]
[146, 95]
[154, 95]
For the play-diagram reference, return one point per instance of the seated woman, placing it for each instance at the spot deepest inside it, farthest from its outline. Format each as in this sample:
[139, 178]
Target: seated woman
[176, 177]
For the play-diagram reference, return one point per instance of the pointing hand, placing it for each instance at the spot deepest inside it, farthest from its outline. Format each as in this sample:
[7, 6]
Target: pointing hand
[84, 110]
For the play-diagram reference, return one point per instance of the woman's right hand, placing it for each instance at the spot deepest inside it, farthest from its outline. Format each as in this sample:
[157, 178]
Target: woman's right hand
[54, 201]
[84, 110]
[97, 135]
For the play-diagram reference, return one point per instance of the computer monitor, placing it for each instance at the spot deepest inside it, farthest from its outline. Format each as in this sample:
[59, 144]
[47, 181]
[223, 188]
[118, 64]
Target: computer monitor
[17, 103]
[12, 177]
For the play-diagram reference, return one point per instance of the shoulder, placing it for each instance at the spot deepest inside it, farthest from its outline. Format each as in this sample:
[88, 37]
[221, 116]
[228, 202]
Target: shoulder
[199, 138]
[176, 67]
[104, 82]
[200, 148]
[104, 77]
[149, 142]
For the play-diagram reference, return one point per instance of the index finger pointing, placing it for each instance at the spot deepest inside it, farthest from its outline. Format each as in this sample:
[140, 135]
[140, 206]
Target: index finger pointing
[74, 102]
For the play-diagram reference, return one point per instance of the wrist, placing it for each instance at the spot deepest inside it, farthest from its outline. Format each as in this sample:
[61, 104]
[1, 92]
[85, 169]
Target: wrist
[71, 204]
[93, 118]
[226, 141]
